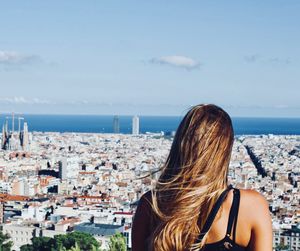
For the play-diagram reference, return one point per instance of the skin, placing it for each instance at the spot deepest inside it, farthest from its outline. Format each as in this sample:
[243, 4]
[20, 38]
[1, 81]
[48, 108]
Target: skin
[254, 226]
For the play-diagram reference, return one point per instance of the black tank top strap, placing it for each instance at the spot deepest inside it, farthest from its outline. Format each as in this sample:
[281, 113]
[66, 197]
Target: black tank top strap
[233, 214]
[213, 213]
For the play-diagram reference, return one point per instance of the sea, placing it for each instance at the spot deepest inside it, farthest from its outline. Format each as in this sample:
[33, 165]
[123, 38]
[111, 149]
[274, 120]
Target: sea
[152, 124]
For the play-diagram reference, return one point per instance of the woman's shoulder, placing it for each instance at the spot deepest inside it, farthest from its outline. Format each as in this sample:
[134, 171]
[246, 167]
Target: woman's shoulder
[254, 211]
[254, 205]
[251, 196]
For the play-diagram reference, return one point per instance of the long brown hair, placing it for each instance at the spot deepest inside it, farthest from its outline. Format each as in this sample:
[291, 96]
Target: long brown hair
[193, 176]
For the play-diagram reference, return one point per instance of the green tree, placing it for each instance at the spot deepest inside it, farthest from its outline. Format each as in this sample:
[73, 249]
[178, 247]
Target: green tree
[26, 247]
[75, 240]
[40, 243]
[5, 242]
[76, 248]
[85, 241]
[282, 247]
[117, 242]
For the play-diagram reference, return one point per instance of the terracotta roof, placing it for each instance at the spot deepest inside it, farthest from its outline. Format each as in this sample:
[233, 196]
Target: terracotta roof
[68, 221]
[9, 197]
[87, 172]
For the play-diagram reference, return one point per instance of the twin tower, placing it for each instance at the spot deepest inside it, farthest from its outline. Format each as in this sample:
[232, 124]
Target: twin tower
[135, 125]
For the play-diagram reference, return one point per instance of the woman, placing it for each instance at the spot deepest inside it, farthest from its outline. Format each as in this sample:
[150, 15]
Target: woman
[192, 207]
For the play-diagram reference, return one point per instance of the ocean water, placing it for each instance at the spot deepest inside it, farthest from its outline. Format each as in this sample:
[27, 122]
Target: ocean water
[104, 124]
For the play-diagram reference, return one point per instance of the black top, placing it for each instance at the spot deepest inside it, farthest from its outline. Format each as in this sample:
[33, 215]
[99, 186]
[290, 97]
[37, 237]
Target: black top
[226, 243]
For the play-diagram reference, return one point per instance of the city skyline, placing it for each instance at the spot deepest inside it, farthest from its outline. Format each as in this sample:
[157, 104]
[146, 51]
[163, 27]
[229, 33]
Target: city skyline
[89, 57]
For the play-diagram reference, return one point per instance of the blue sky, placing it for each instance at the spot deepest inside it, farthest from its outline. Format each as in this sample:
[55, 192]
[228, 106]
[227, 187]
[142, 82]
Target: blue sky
[150, 57]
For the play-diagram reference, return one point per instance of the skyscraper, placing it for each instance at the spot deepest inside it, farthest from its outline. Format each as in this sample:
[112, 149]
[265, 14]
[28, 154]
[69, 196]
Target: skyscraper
[135, 125]
[116, 124]
[62, 167]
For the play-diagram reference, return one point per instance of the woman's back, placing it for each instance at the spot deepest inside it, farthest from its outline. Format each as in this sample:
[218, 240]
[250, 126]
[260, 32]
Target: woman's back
[224, 216]
[252, 231]
[223, 225]
[191, 180]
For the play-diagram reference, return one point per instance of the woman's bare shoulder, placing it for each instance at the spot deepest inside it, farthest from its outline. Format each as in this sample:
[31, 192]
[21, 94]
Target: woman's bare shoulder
[254, 205]
[254, 210]
[250, 196]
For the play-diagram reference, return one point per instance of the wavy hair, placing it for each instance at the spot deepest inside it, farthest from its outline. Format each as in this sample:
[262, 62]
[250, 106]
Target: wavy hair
[192, 178]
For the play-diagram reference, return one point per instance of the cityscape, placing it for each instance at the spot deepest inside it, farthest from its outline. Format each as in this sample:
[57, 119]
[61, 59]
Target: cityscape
[92, 94]
[55, 183]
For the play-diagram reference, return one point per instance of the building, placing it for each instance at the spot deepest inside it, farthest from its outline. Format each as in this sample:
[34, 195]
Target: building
[289, 238]
[20, 234]
[135, 125]
[116, 124]
[62, 166]
[25, 137]
[4, 136]
[1, 211]
[20, 186]
[15, 140]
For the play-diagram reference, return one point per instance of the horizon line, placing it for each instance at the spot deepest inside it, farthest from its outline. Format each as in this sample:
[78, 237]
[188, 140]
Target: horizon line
[131, 115]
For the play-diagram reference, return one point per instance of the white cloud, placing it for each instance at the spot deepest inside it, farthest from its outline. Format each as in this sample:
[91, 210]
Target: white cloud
[277, 60]
[16, 58]
[178, 61]
[273, 60]
[252, 58]
[21, 100]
